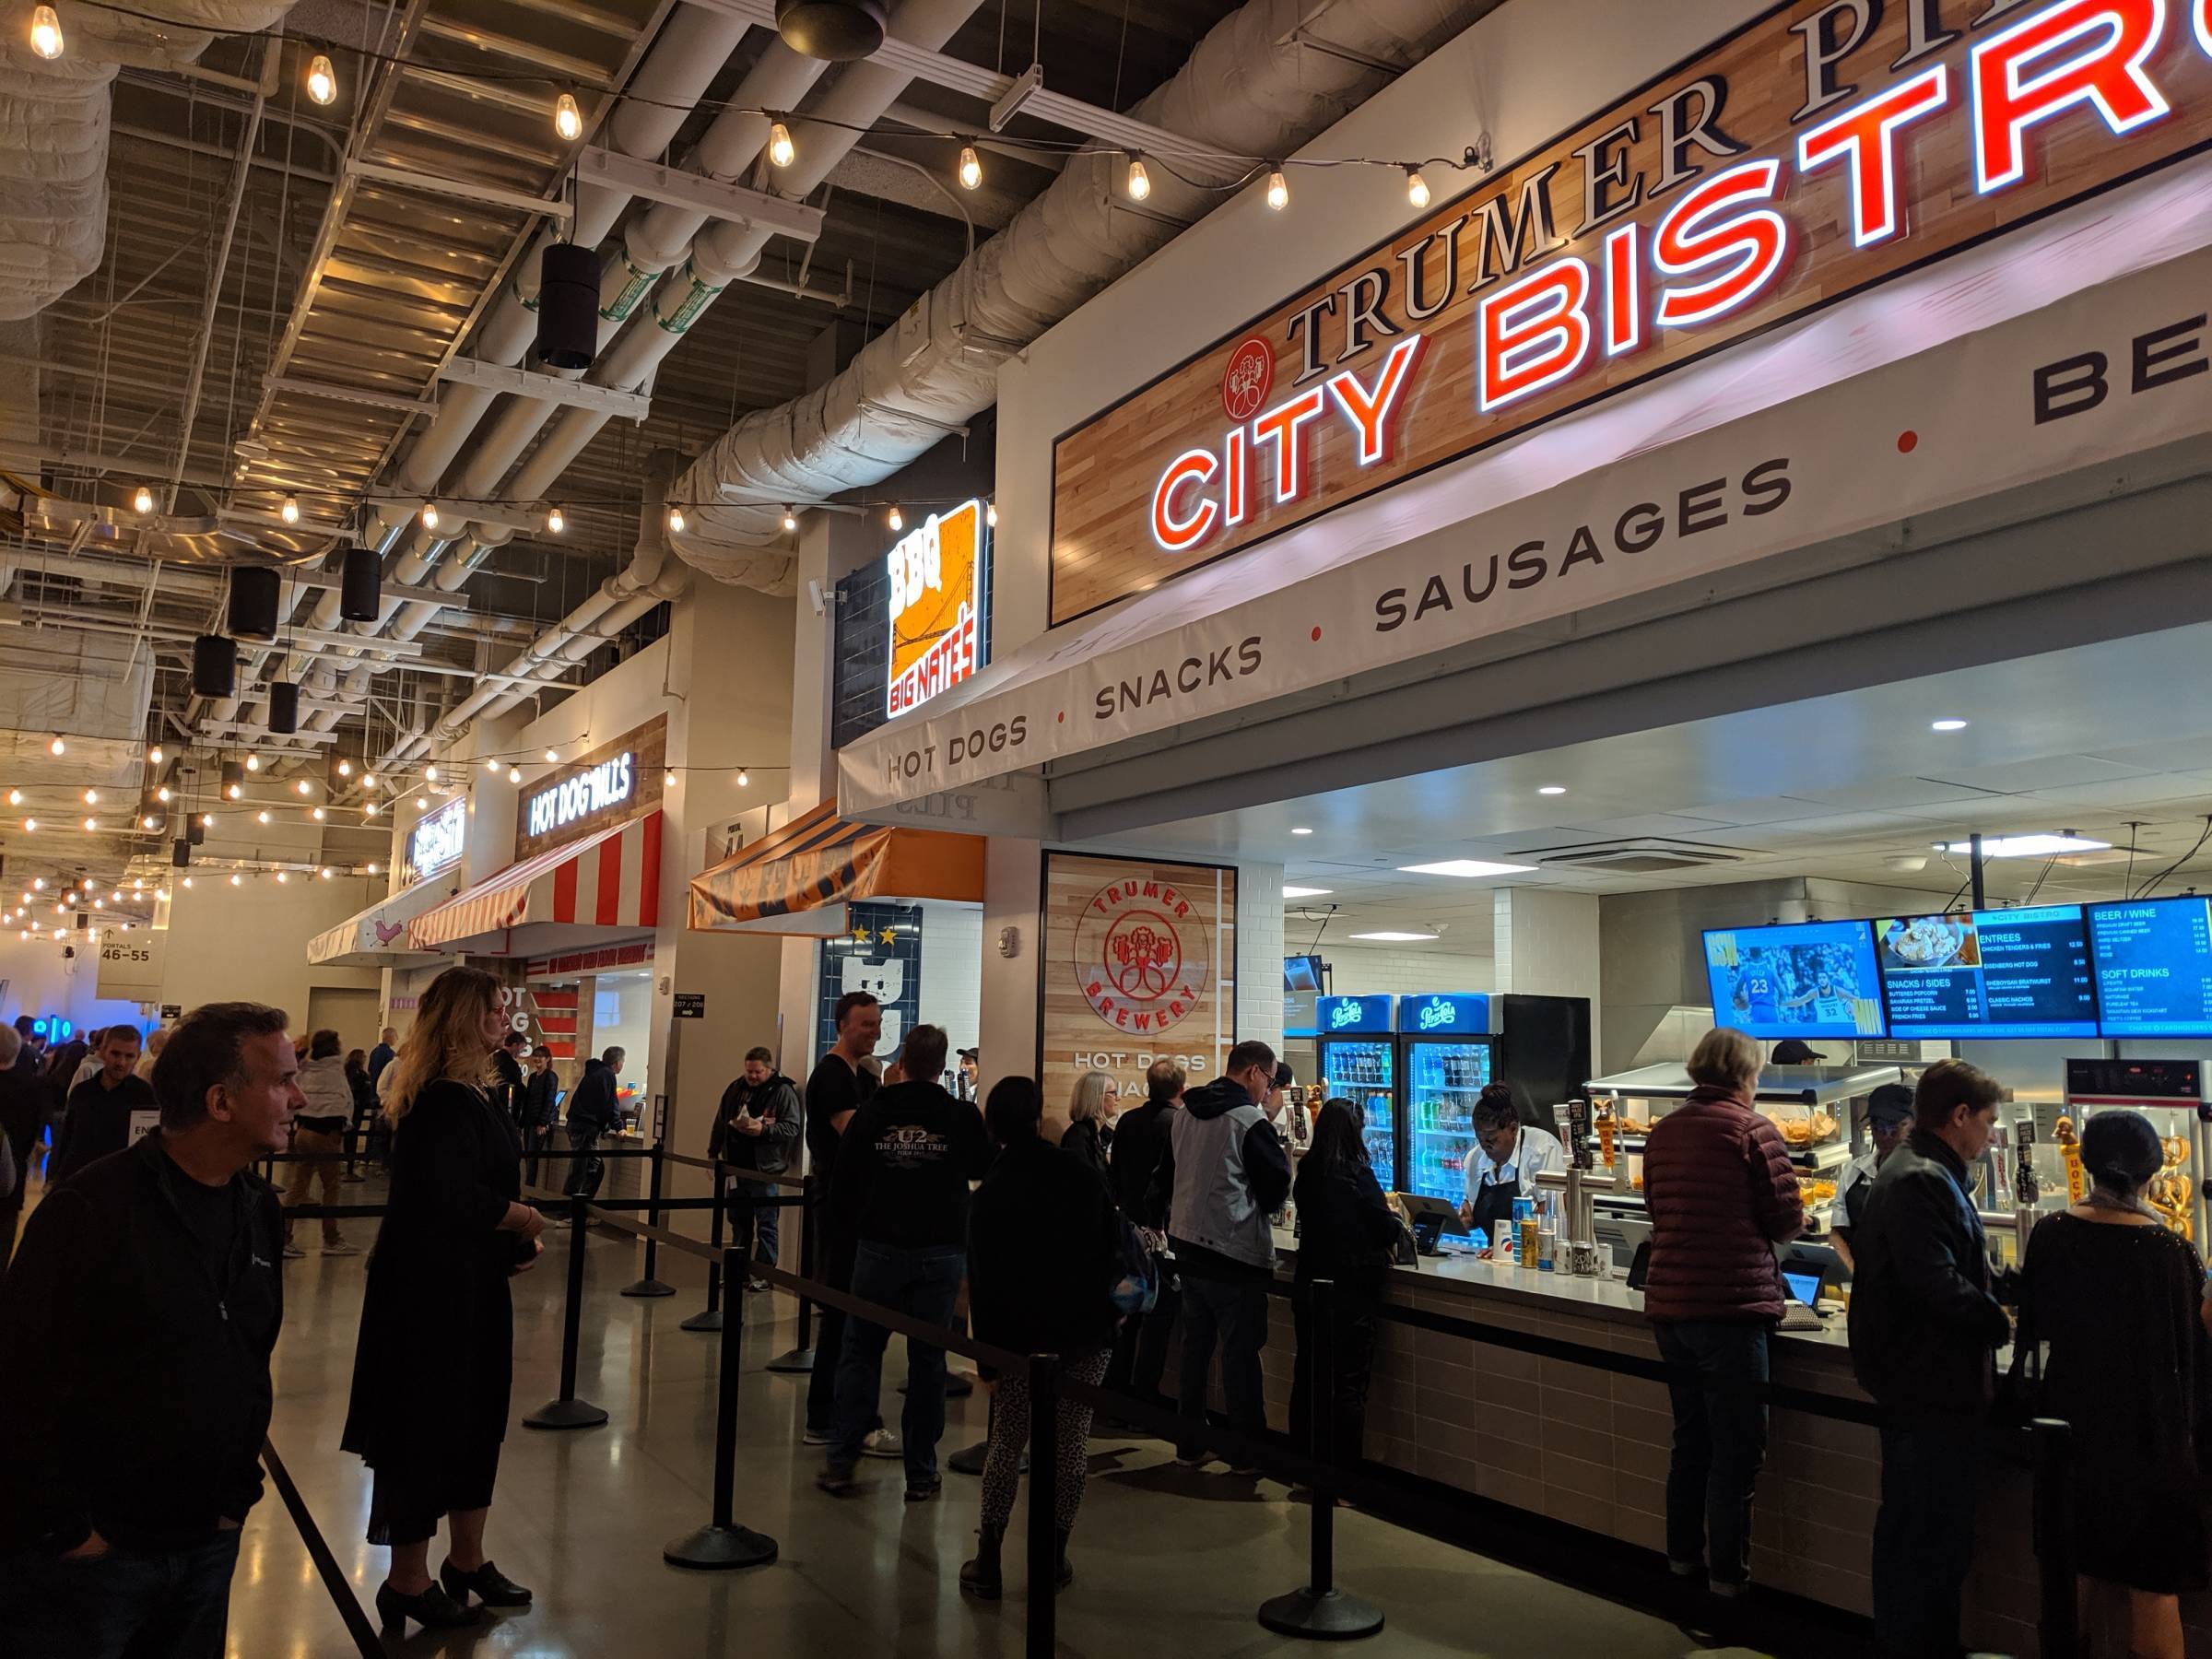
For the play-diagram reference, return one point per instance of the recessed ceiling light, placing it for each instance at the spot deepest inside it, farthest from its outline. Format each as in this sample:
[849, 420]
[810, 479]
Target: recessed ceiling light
[2027, 846]
[1947, 724]
[1394, 938]
[1301, 831]
[1299, 892]
[1464, 866]
[1552, 789]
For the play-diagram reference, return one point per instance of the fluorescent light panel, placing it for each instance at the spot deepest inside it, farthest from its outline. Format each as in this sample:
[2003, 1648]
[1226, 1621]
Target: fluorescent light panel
[2027, 846]
[1392, 938]
[1464, 866]
[1299, 892]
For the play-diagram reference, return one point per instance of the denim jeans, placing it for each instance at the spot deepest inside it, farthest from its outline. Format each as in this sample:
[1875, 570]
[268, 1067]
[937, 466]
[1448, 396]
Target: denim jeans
[1923, 1538]
[922, 1282]
[1234, 1312]
[171, 1603]
[1720, 1442]
[753, 1217]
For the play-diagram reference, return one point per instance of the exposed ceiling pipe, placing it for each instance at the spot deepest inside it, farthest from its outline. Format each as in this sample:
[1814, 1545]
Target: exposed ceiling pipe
[1251, 88]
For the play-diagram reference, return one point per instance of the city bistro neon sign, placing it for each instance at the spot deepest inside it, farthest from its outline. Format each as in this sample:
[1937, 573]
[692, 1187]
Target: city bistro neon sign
[1824, 147]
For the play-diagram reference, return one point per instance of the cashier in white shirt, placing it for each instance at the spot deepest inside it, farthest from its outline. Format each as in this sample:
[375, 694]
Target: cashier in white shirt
[1889, 1120]
[1505, 1163]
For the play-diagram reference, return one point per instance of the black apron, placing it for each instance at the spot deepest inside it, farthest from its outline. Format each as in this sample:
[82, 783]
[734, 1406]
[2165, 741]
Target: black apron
[1494, 1199]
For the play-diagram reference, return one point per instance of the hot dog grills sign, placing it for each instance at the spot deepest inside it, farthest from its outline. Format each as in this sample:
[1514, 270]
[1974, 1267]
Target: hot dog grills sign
[1827, 145]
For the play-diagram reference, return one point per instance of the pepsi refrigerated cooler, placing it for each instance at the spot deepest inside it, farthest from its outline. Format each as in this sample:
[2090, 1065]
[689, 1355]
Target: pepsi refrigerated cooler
[1446, 1054]
[1359, 1061]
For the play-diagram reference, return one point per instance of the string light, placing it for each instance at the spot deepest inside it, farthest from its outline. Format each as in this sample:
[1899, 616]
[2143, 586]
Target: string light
[1140, 182]
[253, 762]
[142, 500]
[791, 519]
[57, 746]
[188, 883]
[91, 797]
[161, 794]
[235, 792]
[46, 32]
[90, 824]
[430, 773]
[28, 825]
[322, 85]
[668, 780]
[345, 769]
[281, 877]
[894, 518]
[568, 120]
[367, 779]
[207, 820]
[430, 515]
[1279, 189]
[991, 514]
[368, 811]
[675, 520]
[289, 512]
[38, 884]
[148, 822]
[554, 524]
[421, 802]
[236, 880]
[552, 755]
[780, 151]
[304, 787]
[316, 815]
[325, 872]
[1416, 187]
[491, 764]
[371, 867]
[971, 168]
[744, 777]
[262, 817]
[153, 755]
[14, 798]
[514, 774]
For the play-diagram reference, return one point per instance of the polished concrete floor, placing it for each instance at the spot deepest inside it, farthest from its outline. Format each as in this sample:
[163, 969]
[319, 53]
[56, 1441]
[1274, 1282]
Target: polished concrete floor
[1169, 1561]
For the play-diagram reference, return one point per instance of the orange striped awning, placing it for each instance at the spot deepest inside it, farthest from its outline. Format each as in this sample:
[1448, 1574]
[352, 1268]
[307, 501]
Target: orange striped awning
[610, 879]
[819, 859]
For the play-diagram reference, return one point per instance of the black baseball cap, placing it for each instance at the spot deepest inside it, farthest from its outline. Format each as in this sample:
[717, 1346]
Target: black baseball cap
[1795, 1051]
[1889, 1105]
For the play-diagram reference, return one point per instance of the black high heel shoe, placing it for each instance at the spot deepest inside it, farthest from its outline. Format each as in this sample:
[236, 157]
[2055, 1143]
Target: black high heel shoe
[433, 1610]
[491, 1586]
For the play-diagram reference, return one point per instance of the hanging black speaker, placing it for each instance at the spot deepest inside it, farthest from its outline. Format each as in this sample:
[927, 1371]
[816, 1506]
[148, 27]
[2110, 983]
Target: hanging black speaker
[179, 855]
[835, 30]
[284, 708]
[360, 596]
[196, 833]
[214, 666]
[255, 592]
[568, 306]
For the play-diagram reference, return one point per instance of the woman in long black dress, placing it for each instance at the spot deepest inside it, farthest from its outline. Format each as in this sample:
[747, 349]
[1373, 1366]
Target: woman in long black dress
[2118, 1299]
[432, 1370]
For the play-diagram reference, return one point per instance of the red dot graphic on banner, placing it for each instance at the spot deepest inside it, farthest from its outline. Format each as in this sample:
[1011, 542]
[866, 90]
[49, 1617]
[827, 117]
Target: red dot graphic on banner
[1061, 718]
[1907, 441]
[1317, 636]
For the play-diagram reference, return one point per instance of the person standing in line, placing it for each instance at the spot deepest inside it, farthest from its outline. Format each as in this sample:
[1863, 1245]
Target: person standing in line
[141, 1311]
[900, 1193]
[88, 1066]
[1349, 1234]
[541, 1107]
[2119, 1300]
[968, 1074]
[1089, 1131]
[1924, 1331]
[507, 1063]
[101, 1107]
[383, 1054]
[1721, 1193]
[22, 1115]
[155, 1040]
[1223, 1173]
[842, 1081]
[1042, 1247]
[1140, 1140]
[27, 1043]
[320, 1128]
[1889, 1116]
[434, 1363]
[594, 1111]
[756, 1127]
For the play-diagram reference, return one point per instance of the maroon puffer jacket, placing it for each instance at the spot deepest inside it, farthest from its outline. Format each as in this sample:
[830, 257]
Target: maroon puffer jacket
[1718, 1183]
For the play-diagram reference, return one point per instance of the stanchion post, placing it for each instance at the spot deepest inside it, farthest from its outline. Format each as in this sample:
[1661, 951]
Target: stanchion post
[711, 1318]
[1320, 1611]
[801, 1357]
[1044, 1505]
[651, 1284]
[721, 1543]
[2058, 1620]
[569, 1412]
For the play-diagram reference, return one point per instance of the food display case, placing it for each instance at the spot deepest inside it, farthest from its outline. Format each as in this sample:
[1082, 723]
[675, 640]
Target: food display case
[1446, 1055]
[1358, 1060]
[1811, 1105]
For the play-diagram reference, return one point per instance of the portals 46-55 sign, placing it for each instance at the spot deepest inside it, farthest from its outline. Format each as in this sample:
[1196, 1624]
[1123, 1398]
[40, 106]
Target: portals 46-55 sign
[1825, 146]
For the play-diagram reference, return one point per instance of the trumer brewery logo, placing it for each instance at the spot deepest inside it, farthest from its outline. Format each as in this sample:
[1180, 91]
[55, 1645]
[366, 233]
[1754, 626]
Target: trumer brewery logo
[1142, 954]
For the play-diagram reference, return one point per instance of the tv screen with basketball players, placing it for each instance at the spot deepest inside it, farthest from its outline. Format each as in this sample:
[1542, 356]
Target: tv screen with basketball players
[1805, 979]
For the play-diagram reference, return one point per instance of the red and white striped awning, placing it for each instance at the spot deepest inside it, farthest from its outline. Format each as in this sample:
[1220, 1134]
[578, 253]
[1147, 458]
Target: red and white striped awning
[609, 881]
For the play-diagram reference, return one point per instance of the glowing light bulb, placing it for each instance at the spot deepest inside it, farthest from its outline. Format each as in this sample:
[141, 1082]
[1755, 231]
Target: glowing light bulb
[98, 904]
[322, 80]
[57, 746]
[262, 817]
[149, 822]
[1140, 182]
[991, 514]
[90, 824]
[791, 519]
[371, 867]
[430, 515]
[368, 811]
[236, 880]
[367, 779]
[554, 524]
[345, 769]
[28, 825]
[430, 773]
[675, 520]
[207, 820]
[316, 815]
[895, 519]
[304, 787]
[971, 168]
[421, 802]
[1416, 187]
[142, 500]
[281, 877]
[780, 151]
[491, 764]
[138, 887]
[325, 872]
[289, 512]
[14, 798]
[253, 762]
[91, 797]
[153, 755]
[668, 780]
[514, 774]
[161, 794]
[551, 756]
[744, 777]
[38, 884]
[1279, 189]
[235, 792]
[568, 120]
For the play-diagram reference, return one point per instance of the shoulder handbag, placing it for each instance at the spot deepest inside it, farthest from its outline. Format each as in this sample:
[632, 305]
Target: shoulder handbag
[1135, 1287]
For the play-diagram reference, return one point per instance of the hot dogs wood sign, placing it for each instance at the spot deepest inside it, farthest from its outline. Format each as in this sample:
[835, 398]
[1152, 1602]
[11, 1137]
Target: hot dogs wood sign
[1823, 147]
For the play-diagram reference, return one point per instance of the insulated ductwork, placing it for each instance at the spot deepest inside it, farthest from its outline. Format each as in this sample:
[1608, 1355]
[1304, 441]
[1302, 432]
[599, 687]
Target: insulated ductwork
[1253, 87]
[53, 131]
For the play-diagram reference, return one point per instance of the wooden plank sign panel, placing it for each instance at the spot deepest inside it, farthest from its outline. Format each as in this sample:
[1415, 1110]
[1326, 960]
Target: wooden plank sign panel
[1827, 145]
[617, 780]
[1139, 963]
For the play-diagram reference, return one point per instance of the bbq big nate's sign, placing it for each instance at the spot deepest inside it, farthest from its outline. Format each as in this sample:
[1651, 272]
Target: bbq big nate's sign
[1827, 145]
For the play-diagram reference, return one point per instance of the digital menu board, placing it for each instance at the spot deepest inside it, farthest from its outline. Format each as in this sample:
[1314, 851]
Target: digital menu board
[2154, 967]
[1989, 973]
[1805, 979]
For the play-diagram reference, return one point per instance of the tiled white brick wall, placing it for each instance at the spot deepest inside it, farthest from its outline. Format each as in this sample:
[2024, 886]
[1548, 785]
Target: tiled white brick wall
[1366, 969]
[952, 970]
[1260, 953]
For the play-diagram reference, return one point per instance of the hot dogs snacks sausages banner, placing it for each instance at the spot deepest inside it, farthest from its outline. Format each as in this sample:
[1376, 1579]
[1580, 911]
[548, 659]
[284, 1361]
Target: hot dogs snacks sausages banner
[1825, 146]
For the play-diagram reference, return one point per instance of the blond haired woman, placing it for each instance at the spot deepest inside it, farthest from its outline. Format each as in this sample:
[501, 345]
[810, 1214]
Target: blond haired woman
[432, 1368]
[1090, 1119]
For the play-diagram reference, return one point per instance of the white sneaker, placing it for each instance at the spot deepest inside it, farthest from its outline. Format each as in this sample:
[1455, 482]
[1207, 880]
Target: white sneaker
[883, 1443]
[292, 1252]
[341, 1248]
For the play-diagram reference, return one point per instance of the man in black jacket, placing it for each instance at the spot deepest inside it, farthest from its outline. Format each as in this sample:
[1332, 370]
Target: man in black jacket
[506, 1061]
[140, 1314]
[1925, 1329]
[1221, 1179]
[900, 1193]
[1140, 1141]
[101, 1106]
[756, 1127]
[593, 1110]
[837, 1088]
